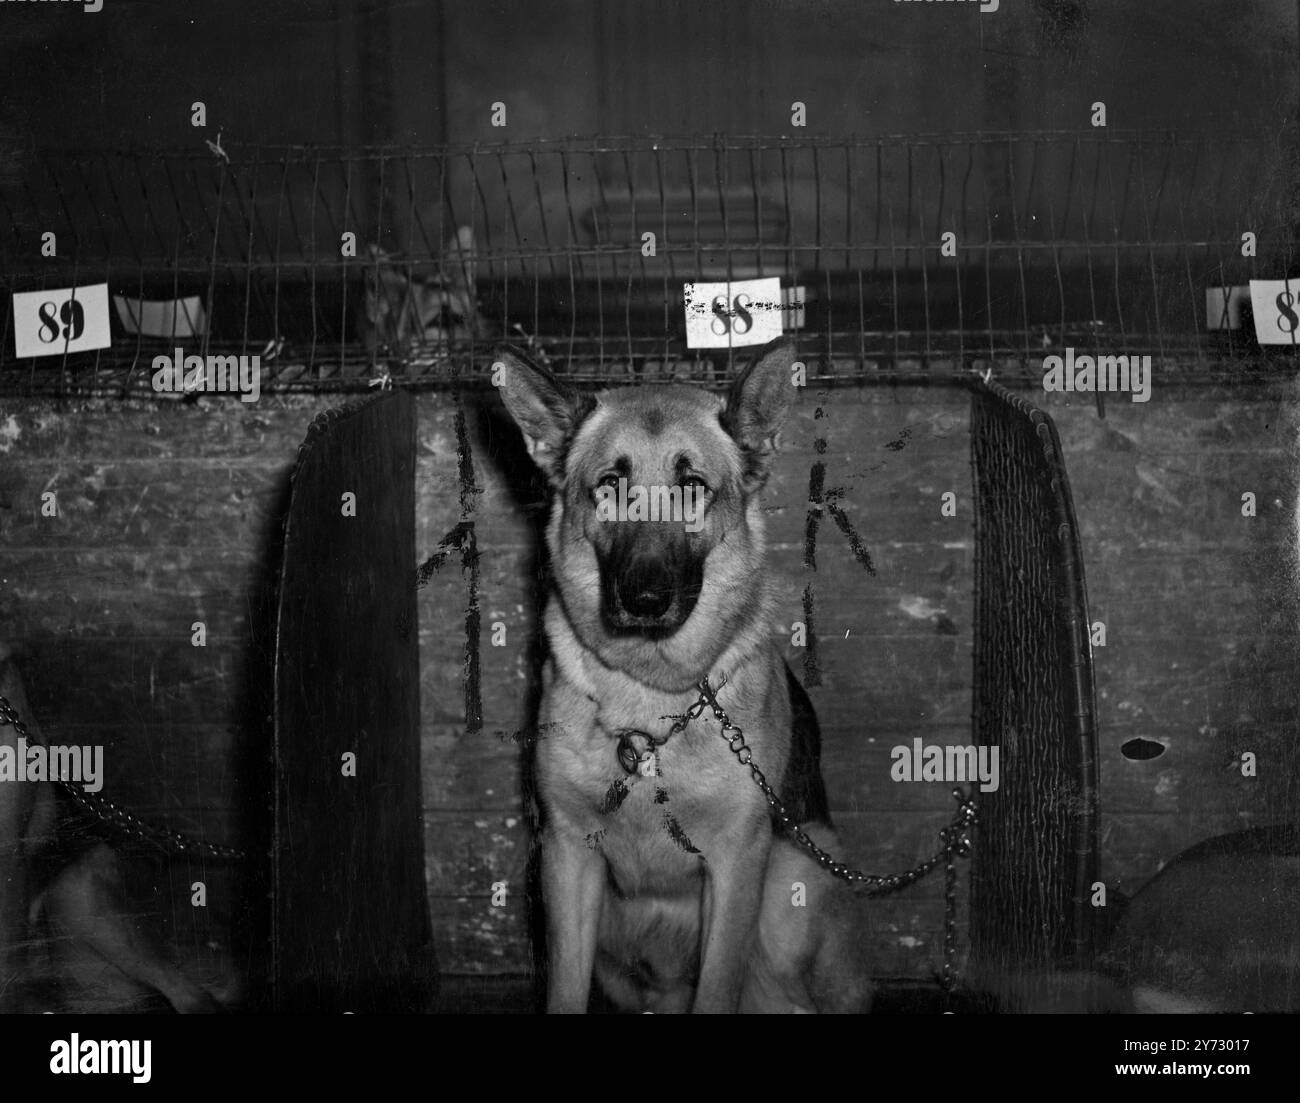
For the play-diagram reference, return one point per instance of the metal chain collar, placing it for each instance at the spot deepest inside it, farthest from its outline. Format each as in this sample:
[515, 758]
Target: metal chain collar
[118, 818]
[956, 836]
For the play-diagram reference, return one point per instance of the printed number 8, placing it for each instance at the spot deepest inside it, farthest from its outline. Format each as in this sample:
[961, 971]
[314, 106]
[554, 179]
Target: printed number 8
[1287, 319]
[71, 314]
[722, 322]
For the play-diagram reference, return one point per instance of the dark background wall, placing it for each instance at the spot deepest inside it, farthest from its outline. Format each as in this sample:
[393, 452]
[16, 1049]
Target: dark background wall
[352, 73]
[166, 506]
[278, 71]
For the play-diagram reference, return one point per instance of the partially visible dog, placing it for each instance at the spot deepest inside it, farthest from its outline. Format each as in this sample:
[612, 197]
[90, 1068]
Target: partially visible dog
[400, 312]
[1216, 931]
[64, 893]
[663, 876]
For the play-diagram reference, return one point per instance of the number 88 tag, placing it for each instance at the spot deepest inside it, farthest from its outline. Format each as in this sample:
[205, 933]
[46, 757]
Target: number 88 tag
[732, 314]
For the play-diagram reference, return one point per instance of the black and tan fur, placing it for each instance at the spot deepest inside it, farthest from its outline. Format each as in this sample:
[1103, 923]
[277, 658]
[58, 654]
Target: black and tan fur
[674, 891]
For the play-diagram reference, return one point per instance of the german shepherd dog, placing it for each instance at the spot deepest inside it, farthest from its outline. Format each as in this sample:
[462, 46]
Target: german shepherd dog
[62, 881]
[668, 882]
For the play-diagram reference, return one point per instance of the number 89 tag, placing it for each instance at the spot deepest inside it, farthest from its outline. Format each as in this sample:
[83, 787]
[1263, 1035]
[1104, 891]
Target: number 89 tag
[55, 321]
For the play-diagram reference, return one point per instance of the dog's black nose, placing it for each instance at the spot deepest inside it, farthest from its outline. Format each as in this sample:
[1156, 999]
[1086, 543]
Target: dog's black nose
[646, 589]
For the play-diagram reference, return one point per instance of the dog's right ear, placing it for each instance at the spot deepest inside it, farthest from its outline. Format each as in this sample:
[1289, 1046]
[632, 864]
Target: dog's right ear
[546, 410]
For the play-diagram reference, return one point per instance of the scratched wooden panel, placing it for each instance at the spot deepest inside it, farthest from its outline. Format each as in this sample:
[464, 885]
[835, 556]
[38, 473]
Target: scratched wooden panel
[857, 759]
[1199, 769]
[1132, 588]
[1186, 423]
[145, 504]
[119, 593]
[471, 773]
[164, 514]
[179, 767]
[204, 432]
[1200, 609]
[480, 938]
[466, 854]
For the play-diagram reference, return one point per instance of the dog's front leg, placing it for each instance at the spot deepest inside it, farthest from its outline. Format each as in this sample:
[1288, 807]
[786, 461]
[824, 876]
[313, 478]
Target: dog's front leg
[573, 887]
[733, 895]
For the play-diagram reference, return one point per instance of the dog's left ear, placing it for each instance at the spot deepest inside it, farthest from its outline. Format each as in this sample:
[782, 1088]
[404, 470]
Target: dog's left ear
[757, 407]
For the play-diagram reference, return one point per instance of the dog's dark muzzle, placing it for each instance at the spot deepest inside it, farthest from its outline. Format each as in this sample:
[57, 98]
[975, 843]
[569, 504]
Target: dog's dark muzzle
[650, 583]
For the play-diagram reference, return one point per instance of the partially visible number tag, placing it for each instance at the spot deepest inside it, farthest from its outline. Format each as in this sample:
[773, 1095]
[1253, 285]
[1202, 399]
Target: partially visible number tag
[1276, 307]
[793, 301]
[1223, 306]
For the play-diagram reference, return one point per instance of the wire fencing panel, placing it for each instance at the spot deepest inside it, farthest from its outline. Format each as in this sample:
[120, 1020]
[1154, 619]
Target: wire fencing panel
[1035, 855]
[1097, 239]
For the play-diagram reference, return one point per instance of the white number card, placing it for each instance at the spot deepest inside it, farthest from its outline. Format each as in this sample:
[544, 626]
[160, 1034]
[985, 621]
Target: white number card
[728, 315]
[1274, 304]
[69, 319]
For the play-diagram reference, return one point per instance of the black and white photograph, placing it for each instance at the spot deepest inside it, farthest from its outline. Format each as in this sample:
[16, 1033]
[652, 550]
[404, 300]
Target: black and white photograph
[770, 507]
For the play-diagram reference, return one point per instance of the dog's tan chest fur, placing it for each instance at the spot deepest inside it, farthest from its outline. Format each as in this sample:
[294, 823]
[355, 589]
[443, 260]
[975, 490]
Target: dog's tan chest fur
[653, 831]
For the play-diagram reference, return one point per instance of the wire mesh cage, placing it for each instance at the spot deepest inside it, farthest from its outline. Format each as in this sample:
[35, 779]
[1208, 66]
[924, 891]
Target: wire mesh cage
[1035, 855]
[913, 257]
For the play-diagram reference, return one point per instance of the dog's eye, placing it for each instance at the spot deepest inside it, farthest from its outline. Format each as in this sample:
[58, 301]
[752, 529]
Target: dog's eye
[610, 481]
[695, 481]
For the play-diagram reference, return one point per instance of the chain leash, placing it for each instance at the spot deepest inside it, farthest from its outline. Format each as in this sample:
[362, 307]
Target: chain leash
[118, 818]
[956, 840]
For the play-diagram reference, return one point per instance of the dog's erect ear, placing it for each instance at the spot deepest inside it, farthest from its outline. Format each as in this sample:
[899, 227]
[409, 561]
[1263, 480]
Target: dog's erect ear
[758, 405]
[548, 411]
